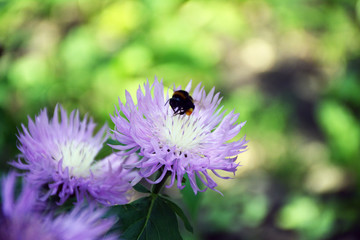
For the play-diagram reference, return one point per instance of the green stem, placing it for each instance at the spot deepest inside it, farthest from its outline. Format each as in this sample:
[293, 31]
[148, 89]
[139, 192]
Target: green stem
[157, 187]
[153, 198]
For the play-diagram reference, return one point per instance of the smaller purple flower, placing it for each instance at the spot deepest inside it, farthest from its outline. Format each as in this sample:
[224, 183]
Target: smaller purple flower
[177, 144]
[61, 154]
[21, 218]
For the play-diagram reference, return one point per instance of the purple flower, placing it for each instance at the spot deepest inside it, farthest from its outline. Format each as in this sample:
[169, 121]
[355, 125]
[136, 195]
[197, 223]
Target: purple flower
[62, 154]
[21, 219]
[178, 144]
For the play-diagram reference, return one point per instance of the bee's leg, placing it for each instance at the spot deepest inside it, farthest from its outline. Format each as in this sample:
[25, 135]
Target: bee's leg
[177, 111]
[182, 112]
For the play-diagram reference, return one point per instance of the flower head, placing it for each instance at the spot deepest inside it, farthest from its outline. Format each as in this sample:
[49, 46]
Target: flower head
[61, 154]
[21, 218]
[178, 144]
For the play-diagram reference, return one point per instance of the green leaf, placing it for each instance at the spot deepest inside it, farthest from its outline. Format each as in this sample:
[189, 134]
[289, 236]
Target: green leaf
[112, 142]
[180, 213]
[106, 150]
[191, 200]
[140, 188]
[148, 218]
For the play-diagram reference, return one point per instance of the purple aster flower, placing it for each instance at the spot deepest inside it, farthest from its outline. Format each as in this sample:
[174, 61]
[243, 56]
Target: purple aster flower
[62, 154]
[178, 144]
[21, 219]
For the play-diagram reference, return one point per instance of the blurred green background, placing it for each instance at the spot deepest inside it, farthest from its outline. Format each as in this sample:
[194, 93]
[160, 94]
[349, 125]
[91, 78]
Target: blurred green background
[291, 68]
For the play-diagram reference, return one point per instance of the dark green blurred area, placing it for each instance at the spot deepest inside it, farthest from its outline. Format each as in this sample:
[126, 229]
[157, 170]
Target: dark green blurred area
[290, 68]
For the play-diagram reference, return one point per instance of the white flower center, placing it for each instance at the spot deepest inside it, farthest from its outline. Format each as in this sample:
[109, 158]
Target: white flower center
[184, 132]
[77, 156]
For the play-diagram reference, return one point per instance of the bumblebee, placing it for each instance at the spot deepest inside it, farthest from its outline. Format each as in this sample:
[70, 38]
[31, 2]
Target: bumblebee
[182, 103]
